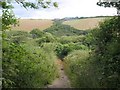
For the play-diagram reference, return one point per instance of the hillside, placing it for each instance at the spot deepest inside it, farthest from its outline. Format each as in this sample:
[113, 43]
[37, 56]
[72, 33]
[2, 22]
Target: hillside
[58, 29]
[84, 24]
[80, 24]
[30, 24]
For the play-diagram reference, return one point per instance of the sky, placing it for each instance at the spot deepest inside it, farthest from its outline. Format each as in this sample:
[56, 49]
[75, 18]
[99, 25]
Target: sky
[67, 8]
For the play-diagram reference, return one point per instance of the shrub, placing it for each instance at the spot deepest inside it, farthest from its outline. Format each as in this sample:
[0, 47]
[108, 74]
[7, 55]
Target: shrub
[10, 34]
[36, 33]
[27, 66]
[79, 70]
[62, 50]
[47, 38]
[106, 52]
[17, 36]
[71, 39]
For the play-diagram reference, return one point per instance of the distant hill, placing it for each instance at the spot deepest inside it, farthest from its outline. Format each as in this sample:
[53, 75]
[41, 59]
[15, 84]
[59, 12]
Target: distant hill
[80, 23]
[58, 29]
[30, 24]
[84, 23]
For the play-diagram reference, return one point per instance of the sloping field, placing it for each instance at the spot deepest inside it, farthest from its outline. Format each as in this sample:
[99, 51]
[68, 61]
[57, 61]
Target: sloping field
[84, 24]
[30, 24]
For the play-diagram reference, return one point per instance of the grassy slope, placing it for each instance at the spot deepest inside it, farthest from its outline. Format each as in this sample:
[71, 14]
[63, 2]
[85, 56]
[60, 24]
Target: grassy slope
[30, 24]
[84, 24]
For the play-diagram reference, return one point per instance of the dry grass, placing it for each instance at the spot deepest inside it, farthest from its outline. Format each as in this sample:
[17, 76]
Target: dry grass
[84, 24]
[30, 24]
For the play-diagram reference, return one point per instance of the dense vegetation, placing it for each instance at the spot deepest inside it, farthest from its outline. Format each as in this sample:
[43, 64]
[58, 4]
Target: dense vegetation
[106, 52]
[25, 63]
[91, 59]
[58, 29]
[100, 68]
[29, 58]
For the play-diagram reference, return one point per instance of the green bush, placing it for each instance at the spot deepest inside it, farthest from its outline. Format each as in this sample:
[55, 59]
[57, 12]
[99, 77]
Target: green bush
[62, 50]
[19, 39]
[10, 34]
[71, 39]
[79, 70]
[27, 65]
[18, 36]
[106, 52]
[36, 33]
[47, 38]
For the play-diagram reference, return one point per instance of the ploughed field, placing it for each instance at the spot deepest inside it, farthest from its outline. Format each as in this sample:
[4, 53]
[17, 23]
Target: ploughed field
[84, 24]
[30, 24]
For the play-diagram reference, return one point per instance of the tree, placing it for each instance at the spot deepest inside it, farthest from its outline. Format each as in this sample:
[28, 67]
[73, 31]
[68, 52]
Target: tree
[37, 4]
[8, 17]
[110, 3]
[106, 41]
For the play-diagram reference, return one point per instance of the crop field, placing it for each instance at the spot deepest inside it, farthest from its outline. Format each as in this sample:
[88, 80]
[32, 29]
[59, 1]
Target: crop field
[84, 24]
[30, 24]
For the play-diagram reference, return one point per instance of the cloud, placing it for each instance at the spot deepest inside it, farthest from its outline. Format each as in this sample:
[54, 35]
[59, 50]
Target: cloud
[67, 8]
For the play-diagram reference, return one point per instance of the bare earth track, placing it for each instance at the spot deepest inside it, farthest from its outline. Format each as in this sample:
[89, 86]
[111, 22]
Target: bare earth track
[62, 81]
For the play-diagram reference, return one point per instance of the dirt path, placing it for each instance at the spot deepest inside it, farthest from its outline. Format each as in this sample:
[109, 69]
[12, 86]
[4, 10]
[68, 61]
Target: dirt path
[62, 81]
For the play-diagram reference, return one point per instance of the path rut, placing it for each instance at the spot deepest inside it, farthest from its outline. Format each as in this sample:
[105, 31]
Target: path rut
[62, 81]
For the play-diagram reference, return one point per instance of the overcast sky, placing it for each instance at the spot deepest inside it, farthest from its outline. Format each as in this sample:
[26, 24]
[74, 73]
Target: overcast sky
[67, 8]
